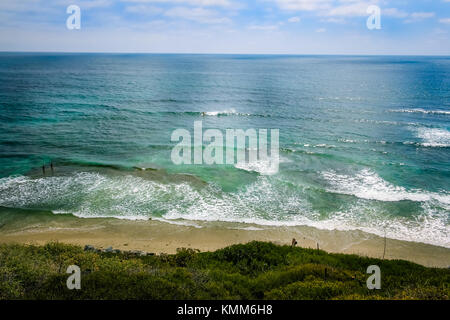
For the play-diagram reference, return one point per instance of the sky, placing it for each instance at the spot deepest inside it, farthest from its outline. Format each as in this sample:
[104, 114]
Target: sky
[413, 27]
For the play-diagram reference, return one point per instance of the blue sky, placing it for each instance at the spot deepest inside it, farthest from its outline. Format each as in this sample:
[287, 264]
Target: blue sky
[227, 26]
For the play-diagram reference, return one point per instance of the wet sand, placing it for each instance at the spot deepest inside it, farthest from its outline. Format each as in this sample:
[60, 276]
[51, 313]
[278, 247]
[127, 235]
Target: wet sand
[162, 237]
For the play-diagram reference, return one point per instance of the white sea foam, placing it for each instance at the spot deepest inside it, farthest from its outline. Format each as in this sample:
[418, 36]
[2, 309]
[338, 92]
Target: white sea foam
[434, 137]
[320, 145]
[348, 140]
[323, 145]
[265, 167]
[180, 222]
[420, 110]
[266, 201]
[224, 112]
[248, 228]
[261, 167]
[430, 227]
[366, 184]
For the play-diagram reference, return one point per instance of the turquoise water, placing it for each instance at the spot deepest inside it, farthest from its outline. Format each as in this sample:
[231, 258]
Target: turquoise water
[364, 141]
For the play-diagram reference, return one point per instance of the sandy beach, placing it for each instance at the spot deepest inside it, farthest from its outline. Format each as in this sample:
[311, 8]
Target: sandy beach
[162, 237]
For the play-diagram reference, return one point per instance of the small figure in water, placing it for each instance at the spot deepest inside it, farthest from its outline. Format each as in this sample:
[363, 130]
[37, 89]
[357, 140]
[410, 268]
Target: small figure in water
[51, 166]
[294, 242]
[43, 169]
[203, 114]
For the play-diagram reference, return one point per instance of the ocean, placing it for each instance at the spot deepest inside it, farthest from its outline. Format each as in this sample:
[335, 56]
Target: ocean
[364, 140]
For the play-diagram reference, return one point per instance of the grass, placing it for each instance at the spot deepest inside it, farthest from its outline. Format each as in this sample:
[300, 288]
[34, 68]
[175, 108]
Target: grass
[256, 270]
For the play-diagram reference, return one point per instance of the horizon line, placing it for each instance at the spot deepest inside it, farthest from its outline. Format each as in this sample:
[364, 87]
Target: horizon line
[236, 53]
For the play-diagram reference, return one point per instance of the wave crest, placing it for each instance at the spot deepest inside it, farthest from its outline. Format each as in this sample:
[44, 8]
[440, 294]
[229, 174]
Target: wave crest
[265, 201]
[434, 137]
[366, 184]
[420, 110]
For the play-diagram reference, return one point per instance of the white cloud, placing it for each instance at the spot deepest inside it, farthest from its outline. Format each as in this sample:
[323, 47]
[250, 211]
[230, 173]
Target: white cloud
[359, 9]
[439, 31]
[333, 20]
[394, 13]
[196, 14]
[304, 5]
[321, 30]
[42, 6]
[344, 8]
[422, 15]
[202, 3]
[85, 4]
[264, 27]
[419, 16]
[445, 20]
[294, 19]
[354, 9]
[143, 9]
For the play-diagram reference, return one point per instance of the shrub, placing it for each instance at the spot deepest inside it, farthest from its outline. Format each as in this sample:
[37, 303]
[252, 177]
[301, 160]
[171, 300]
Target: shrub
[256, 270]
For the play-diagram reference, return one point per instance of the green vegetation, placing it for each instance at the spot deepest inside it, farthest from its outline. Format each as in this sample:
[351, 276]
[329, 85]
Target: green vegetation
[257, 270]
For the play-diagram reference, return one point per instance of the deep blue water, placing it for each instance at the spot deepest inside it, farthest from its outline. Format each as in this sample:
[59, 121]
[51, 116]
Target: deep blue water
[365, 141]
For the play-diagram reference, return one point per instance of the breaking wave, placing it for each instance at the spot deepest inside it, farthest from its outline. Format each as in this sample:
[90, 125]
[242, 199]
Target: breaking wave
[434, 137]
[366, 184]
[420, 110]
[265, 201]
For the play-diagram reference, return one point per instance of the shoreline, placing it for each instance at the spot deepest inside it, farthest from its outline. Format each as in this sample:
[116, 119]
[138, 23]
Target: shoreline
[163, 237]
